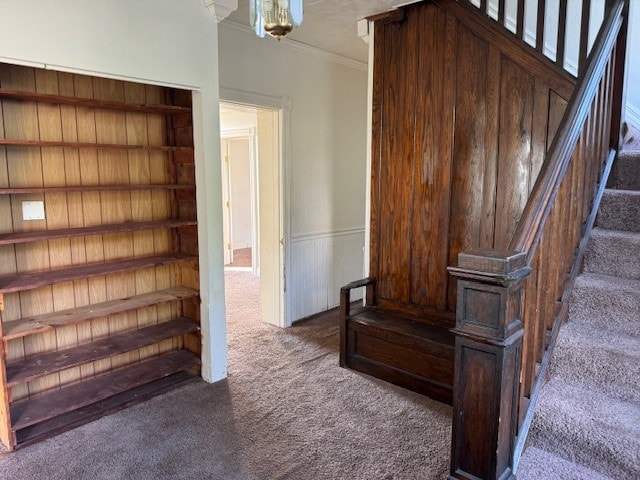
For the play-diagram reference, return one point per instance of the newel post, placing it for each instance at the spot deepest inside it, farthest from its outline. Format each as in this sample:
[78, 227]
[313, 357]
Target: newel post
[487, 363]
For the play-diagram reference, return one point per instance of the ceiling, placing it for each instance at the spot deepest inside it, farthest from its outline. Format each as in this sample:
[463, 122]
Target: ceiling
[329, 24]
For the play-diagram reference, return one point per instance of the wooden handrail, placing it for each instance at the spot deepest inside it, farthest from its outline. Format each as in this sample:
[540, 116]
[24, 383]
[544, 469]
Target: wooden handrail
[530, 226]
[511, 303]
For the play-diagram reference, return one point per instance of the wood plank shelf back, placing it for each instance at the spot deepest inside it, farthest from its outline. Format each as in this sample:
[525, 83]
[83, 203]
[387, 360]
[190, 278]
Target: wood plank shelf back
[51, 321]
[9, 142]
[93, 188]
[93, 103]
[47, 363]
[28, 281]
[58, 402]
[36, 236]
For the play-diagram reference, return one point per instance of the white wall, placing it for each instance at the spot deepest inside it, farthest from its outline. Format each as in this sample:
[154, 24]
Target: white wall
[237, 120]
[240, 192]
[326, 171]
[166, 42]
[633, 67]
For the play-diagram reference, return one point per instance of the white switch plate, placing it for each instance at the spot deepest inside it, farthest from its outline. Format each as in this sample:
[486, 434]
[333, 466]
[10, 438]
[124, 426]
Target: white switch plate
[32, 210]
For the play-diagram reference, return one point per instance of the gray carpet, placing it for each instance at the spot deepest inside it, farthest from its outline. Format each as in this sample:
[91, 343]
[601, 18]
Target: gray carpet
[587, 422]
[287, 411]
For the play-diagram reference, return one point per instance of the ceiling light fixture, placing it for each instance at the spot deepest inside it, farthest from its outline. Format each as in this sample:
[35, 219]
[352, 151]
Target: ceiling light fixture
[275, 17]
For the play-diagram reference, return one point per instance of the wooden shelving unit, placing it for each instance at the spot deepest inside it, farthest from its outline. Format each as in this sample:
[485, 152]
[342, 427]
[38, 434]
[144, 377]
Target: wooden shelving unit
[94, 103]
[91, 188]
[97, 146]
[26, 237]
[99, 302]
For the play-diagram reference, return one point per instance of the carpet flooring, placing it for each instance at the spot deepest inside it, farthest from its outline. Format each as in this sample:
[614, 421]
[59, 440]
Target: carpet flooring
[587, 421]
[241, 258]
[286, 411]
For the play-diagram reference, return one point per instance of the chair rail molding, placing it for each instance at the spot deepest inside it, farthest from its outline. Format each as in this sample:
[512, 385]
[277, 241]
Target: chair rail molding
[221, 9]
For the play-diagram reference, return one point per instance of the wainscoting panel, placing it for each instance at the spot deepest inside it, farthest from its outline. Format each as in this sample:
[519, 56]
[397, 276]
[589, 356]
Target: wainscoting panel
[319, 265]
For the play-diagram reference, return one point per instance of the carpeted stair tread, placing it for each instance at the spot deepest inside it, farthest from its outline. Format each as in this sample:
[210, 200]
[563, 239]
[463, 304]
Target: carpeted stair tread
[588, 428]
[603, 361]
[626, 174]
[606, 302]
[620, 210]
[538, 464]
[615, 253]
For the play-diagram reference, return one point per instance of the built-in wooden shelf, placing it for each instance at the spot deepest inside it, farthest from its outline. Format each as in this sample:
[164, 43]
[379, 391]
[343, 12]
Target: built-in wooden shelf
[93, 188]
[98, 146]
[54, 403]
[28, 281]
[92, 103]
[94, 411]
[36, 236]
[43, 364]
[38, 409]
[51, 321]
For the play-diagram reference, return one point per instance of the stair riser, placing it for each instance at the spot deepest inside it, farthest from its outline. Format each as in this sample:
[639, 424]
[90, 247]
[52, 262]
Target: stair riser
[570, 442]
[615, 256]
[626, 173]
[613, 372]
[620, 211]
[606, 309]
[587, 428]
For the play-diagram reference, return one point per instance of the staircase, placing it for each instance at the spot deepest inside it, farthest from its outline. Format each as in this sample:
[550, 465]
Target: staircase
[587, 421]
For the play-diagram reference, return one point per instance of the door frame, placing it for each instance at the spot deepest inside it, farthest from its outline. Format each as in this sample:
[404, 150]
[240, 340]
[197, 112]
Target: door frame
[250, 135]
[283, 106]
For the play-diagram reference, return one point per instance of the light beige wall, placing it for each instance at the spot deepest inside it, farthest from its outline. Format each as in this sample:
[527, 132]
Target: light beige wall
[325, 170]
[328, 125]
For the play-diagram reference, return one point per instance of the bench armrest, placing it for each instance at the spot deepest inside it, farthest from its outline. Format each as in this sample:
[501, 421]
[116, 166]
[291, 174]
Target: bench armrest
[345, 294]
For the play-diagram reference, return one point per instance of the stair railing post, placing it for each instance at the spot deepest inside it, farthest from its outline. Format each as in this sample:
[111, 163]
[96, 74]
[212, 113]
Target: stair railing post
[489, 334]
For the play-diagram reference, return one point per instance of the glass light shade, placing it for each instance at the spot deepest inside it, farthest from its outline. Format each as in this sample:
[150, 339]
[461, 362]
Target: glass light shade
[275, 17]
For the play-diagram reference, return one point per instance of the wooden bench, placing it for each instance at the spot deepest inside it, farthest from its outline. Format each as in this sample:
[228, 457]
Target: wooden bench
[402, 348]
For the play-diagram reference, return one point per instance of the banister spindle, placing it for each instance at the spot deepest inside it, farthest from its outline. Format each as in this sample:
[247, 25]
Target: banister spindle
[584, 36]
[542, 7]
[501, 10]
[520, 20]
[562, 26]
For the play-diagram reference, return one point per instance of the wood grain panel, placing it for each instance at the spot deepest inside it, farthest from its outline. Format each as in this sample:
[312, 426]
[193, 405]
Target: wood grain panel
[91, 215]
[73, 176]
[140, 172]
[378, 124]
[396, 164]
[111, 127]
[25, 169]
[433, 153]
[161, 209]
[56, 208]
[470, 152]
[514, 156]
[461, 127]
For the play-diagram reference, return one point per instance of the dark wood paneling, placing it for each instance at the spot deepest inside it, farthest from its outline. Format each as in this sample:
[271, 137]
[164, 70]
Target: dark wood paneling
[470, 149]
[432, 179]
[396, 157]
[514, 154]
[461, 125]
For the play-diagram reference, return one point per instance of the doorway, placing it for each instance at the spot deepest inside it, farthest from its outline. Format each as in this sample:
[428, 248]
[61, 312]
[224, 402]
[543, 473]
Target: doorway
[240, 198]
[253, 206]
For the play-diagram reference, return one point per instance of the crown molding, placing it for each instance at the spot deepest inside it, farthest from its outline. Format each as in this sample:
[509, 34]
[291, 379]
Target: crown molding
[221, 9]
[298, 47]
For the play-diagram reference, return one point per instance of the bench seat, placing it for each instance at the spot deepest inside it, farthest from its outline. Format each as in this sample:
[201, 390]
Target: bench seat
[400, 348]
